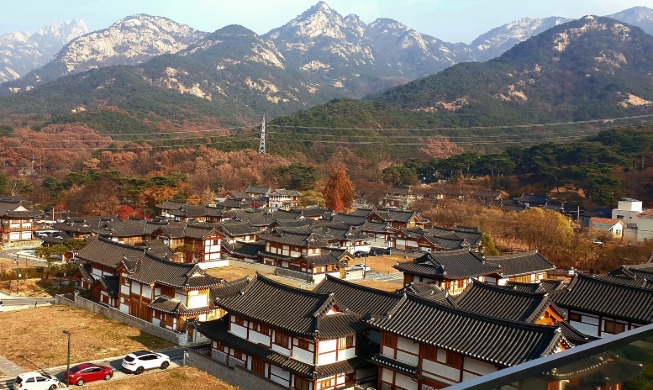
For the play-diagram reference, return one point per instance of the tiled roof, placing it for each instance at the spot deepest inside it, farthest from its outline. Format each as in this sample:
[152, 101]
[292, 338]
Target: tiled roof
[84, 225]
[218, 330]
[592, 295]
[606, 370]
[313, 212]
[151, 270]
[446, 243]
[293, 310]
[327, 257]
[291, 222]
[357, 298]
[108, 253]
[429, 291]
[169, 205]
[521, 263]
[377, 227]
[228, 289]
[111, 285]
[257, 190]
[498, 341]
[524, 287]
[309, 240]
[175, 306]
[455, 264]
[549, 285]
[502, 302]
[349, 219]
[535, 199]
[128, 228]
[237, 228]
[395, 215]
[158, 248]
[394, 365]
[253, 218]
[473, 237]
[574, 335]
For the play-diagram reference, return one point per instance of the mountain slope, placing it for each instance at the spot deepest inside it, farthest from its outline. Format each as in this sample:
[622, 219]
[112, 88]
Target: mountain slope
[129, 41]
[23, 52]
[584, 69]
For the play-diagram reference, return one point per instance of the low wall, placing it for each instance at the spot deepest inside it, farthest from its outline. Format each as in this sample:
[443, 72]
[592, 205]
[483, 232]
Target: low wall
[262, 268]
[233, 375]
[117, 315]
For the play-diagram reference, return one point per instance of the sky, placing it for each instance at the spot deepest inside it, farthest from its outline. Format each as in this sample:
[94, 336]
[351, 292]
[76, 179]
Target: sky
[448, 20]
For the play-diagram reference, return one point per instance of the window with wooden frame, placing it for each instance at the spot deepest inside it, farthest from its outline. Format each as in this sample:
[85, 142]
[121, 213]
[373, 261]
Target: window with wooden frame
[302, 384]
[454, 360]
[613, 327]
[262, 329]
[326, 383]
[350, 377]
[238, 354]
[238, 321]
[575, 317]
[389, 340]
[429, 352]
[258, 367]
[303, 344]
[281, 339]
[460, 283]
[346, 342]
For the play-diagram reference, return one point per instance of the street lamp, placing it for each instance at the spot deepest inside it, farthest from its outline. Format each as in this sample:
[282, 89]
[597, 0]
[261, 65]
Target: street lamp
[17, 276]
[67, 332]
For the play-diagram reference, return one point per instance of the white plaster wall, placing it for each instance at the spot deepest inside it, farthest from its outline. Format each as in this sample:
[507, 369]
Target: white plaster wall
[257, 337]
[590, 330]
[405, 382]
[239, 331]
[302, 355]
[478, 366]
[441, 370]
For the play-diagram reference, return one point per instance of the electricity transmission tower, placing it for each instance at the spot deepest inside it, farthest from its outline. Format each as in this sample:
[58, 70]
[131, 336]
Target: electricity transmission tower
[261, 145]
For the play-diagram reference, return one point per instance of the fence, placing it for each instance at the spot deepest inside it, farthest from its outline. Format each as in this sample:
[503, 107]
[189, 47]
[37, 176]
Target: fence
[235, 375]
[115, 314]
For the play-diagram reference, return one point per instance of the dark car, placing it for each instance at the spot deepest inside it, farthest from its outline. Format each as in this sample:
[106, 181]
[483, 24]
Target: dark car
[87, 372]
[360, 254]
[379, 251]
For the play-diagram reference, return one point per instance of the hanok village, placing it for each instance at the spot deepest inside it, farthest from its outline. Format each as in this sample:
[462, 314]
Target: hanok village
[304, 318]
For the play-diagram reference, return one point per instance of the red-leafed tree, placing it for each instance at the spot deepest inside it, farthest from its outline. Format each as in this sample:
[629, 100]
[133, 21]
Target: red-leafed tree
[339, 191]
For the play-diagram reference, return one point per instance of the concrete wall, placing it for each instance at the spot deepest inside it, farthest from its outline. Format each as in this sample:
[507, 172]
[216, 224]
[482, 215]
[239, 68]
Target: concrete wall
[235, 376]
[262, 268]
[117, 315]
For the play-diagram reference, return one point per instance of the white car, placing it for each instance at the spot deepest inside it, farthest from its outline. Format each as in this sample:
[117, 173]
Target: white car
[139, 361]
[34, 380]
[361, 267]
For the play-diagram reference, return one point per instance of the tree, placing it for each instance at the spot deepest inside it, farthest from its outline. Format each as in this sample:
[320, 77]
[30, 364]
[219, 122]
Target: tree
[312, 198]
[339, 191]
[439, 148]
[487, 245]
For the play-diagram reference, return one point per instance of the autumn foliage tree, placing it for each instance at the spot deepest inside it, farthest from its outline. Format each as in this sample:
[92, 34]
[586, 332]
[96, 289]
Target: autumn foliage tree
[339, 191]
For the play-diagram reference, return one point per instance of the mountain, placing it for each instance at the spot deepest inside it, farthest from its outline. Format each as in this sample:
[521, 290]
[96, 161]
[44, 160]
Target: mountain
[22, 52]
[581, 70]
[132, 40]
[498, 40]
[641, 17]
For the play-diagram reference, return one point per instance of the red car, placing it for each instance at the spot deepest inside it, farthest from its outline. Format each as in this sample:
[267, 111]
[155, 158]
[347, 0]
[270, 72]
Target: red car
[87, 372]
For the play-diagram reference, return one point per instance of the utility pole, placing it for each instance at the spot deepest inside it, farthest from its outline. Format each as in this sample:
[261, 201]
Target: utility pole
[261, 145]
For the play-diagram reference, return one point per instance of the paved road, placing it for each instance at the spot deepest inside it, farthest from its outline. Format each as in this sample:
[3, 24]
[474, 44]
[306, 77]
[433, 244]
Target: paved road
[176, 356]
[16, 303]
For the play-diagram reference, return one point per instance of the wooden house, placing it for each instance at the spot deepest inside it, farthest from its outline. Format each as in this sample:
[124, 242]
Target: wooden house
[599, 307]
[192, 242]
[82, 227]
[130, 231]
[294, 338]
[98, 262]
[431, 345]
[304, 252]
[509, 303]
[526, 267]
[451, 270]
[167, 294]
[16, 220]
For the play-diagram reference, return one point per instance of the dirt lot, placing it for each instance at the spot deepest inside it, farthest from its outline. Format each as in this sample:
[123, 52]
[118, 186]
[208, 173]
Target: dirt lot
[34, 338]
[33, 287]
[384, 263]
[380, 284]
[181, 378]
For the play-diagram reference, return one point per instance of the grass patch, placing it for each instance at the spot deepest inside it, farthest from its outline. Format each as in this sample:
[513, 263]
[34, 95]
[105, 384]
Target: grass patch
[34, 338]
[180, 378]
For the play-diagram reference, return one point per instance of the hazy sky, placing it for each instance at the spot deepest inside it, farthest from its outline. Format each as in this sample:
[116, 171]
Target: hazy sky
[449, 20]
